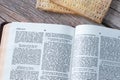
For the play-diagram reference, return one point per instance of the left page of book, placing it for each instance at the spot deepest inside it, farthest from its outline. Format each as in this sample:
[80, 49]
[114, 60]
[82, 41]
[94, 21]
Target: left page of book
[32, 51]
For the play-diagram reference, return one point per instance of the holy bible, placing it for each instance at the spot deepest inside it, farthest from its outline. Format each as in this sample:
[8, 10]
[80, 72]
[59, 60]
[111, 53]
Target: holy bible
[40, 51]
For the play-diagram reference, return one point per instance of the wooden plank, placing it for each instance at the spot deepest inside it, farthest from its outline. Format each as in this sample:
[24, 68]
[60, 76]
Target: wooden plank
[28, 11]
[24, 10]
[10, 15]
[1, 20]
[115, 5]
[112, 19]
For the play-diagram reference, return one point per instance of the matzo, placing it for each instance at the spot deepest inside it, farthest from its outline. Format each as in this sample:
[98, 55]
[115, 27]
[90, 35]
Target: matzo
[92, 9]
[47, 5]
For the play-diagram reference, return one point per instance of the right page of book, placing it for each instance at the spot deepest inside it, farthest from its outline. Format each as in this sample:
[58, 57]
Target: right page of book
[96, 53]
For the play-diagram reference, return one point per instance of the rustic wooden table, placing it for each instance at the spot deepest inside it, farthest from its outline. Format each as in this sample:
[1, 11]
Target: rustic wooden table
[24, 10]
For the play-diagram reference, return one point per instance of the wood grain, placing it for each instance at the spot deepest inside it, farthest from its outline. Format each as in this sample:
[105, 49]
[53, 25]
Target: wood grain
[112, 18]
[25, 11]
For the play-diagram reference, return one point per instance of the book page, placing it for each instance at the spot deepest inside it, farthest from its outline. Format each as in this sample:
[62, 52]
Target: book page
[96, 53]
[37, 52]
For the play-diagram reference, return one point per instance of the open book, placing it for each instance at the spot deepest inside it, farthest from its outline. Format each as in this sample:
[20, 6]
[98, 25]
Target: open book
[38, 51]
